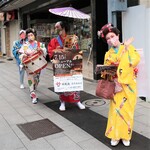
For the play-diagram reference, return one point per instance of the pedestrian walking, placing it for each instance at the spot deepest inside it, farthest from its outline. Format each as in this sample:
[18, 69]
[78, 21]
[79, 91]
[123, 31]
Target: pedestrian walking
[15, 50]
[121, 110]
[32, 49]
[57, 44]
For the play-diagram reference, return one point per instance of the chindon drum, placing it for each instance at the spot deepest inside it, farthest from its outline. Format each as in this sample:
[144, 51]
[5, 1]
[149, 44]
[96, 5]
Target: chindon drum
[35, 63]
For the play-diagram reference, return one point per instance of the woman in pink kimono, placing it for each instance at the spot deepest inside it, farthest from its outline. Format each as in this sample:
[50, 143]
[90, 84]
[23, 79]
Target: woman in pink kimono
[27, 50]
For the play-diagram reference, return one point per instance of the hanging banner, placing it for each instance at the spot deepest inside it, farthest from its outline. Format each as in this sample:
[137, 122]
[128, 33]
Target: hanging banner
[67, 67]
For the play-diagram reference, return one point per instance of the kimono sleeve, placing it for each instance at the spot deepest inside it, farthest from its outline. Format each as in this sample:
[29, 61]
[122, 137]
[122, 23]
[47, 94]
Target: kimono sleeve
[128, 62]
[51, 47]
[134, 56]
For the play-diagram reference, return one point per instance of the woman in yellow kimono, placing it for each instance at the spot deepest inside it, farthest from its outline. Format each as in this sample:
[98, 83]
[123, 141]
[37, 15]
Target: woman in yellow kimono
[121, 111]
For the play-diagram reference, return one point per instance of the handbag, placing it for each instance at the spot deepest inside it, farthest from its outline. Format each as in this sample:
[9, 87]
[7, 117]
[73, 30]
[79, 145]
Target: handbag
[105, 89]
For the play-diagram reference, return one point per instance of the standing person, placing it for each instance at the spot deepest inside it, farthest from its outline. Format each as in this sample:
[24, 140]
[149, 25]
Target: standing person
[15, 50]
[28, 49]
[56, 44]
[121, 110]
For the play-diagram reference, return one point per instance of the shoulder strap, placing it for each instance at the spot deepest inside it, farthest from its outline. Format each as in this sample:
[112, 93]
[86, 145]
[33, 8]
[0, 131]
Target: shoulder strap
[59, 41]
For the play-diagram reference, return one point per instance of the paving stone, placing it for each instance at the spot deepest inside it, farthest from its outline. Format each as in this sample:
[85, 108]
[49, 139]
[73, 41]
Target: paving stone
[38, 144]
[76, 134]
[65, 143]
[25, 111]
[10, 141]
[93, 144]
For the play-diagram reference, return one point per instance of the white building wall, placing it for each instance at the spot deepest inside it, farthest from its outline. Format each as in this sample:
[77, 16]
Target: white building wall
[14, 33]
[147, 39]
[136, 23]
[3, 45]
[145, 3]
[133, 24]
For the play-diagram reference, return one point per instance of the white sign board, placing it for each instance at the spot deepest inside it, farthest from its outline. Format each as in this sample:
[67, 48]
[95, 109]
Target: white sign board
[68, 83]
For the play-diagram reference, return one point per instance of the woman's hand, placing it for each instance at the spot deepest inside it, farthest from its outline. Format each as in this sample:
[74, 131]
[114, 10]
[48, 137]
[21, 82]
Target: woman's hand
[57, 50]
[38, 49]
[103, 73]
[128, 42]
[24, 56]
[58, 47]
[66, 49]
[108, 72]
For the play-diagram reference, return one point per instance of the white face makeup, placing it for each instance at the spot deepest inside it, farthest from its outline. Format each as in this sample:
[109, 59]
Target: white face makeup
[31, 37]
[112, 39]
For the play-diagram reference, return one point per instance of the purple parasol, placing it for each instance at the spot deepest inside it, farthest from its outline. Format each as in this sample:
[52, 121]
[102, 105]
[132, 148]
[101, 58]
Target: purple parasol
[69, 12]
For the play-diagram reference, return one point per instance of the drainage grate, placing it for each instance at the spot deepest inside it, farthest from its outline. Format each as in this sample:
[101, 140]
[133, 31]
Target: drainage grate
[40, 128]
[94, 102]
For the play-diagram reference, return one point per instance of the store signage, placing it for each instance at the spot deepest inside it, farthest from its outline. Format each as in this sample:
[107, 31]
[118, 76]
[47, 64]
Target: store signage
[7, 16]
[67, 67]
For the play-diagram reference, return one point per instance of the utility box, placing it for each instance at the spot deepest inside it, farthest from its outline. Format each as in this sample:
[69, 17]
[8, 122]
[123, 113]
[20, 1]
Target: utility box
[119, 5]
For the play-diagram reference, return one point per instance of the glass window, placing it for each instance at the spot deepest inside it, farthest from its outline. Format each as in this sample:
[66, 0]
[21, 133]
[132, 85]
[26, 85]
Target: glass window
[82, 28]
[132, 3]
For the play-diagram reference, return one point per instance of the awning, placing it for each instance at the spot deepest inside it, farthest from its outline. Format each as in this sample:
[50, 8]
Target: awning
[14, 4]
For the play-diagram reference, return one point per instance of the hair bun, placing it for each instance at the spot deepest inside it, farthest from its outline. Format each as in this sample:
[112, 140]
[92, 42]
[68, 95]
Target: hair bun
[106, 29]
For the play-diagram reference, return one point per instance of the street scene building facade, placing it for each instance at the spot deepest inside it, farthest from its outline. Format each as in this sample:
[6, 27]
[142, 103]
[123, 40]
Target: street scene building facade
[18, 14]
[80, 82]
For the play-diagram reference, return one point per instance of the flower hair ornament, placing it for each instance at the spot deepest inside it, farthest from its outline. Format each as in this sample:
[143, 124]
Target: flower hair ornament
[106, 29]
[108, 26]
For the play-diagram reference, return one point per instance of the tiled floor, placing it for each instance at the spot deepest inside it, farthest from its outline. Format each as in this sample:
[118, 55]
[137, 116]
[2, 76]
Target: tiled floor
[16, 108]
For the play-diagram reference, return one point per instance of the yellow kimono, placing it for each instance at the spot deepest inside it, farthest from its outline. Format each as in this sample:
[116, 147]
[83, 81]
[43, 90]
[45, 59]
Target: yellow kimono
[121, 111]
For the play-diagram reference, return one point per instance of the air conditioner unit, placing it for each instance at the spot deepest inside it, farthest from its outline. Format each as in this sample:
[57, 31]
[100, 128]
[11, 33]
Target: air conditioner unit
[119, 5]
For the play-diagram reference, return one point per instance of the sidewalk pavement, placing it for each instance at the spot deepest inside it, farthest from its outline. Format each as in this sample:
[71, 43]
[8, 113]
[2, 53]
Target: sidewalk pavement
[16, 108]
